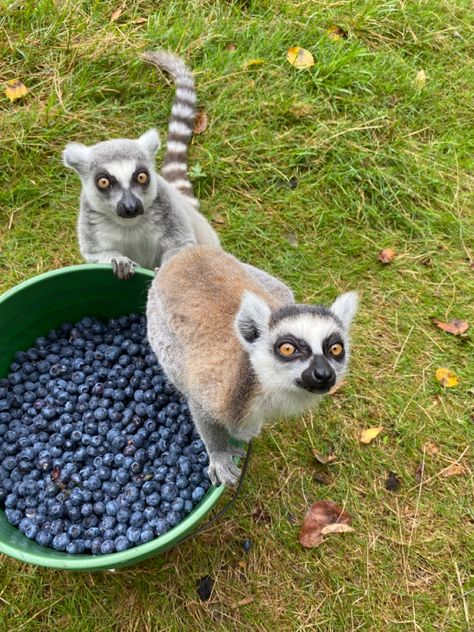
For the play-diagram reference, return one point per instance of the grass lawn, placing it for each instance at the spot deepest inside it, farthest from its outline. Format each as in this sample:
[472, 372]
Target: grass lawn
[307, 174]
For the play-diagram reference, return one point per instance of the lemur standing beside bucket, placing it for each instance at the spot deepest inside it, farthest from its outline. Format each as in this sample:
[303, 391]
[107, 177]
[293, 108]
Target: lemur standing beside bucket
[130, 215]
[233, 341]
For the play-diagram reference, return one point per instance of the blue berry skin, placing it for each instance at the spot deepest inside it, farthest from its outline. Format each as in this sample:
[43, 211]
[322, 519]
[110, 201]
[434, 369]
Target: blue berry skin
[107, 547]
[122, 543]
[161, 526]
[147, 535]
[197, 494]
[134, 534]
[60, 542]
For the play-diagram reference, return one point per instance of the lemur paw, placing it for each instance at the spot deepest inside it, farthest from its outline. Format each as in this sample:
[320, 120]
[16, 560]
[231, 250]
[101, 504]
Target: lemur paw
[222, 470]
[123, 267]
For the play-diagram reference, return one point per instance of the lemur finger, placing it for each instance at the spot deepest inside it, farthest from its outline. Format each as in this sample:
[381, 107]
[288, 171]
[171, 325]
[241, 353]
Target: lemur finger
[237, 451]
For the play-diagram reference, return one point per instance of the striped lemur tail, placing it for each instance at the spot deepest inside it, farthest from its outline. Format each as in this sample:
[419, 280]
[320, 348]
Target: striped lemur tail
[181, 122]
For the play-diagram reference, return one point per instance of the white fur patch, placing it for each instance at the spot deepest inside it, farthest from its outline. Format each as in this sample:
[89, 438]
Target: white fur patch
[179, 128]
[176, 147]
[122, 170]
[185, 81]
[184, 94]
[182, 110]
[181, 183]
[174, 166]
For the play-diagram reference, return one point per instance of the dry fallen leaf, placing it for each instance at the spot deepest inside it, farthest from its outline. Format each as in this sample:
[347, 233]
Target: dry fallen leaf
[456, 469]
[117, 13]
[200, 124]
[455, 326]
[320, 515]
[323, 478]
[420, 79]
[419, 473]
[230, 47]
[369, 434]
[430, 448]
[140, 21]
[299, 57]
[446, 378]
[322, 458]
[243, 602]
[387, 255]
[335, 32]
[218, 219]
[15, 89]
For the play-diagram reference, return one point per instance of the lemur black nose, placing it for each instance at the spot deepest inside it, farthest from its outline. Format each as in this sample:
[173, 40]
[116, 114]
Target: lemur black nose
[319, 376]
[129, 205]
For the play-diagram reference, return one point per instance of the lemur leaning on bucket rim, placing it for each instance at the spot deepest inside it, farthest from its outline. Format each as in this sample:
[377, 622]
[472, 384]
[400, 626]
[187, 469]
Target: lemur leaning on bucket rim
[129, 214]
[232, 339]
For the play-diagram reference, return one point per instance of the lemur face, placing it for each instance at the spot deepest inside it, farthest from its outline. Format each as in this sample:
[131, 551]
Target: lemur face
[118, 176]
[299, 347]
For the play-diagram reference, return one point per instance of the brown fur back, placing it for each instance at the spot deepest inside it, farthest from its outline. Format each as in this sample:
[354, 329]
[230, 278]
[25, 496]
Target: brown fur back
[201, 290]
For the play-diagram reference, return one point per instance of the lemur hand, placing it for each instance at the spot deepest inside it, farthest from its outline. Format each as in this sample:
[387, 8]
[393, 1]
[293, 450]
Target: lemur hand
[123, 267]
[222, 469]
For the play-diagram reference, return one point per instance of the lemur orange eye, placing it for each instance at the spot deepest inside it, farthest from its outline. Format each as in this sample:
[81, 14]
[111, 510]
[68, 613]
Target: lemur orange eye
[336, 349]
[286, 349]
[142, 177]
[103, 183]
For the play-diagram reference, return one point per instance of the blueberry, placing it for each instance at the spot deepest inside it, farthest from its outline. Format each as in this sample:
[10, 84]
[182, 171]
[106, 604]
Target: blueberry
[107, 547]
[44, 537]
[122, 543]
[133, 534]
[60, 541]
[161, 526]
[247, 545]
[168, 492]
[197, 494]
[147, 535]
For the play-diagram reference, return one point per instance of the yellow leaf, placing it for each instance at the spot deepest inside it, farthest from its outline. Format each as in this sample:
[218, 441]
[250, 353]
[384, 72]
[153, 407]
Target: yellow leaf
[117, 13]
[446, 378]
[335, 32]
[299, 57]
[15, 89]
[368, 435]
[420, 79]
[337, 527]
[254, 62]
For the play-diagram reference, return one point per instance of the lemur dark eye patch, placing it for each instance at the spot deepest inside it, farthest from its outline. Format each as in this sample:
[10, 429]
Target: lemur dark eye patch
[289, 348]
[333, 347]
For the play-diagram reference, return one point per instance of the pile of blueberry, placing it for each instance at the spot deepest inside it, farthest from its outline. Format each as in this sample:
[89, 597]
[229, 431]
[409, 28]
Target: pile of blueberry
[98, 452]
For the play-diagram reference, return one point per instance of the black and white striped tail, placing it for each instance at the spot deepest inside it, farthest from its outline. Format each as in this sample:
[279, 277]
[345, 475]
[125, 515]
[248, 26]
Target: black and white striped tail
[181, 123]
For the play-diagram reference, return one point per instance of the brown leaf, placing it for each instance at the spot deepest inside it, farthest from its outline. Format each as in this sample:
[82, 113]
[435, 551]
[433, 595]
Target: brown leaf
[320, 515]
[455, 326]
[323, 478]
[369, 434]
[218, 219]
[430, 448]
[230, 47]
[456, 469]
[392, 483]
[322, 458]
[200, 125]
[419, 473]
[15, 89]
[335, 32]
[117, 13]
[387, 255]
[140, 21]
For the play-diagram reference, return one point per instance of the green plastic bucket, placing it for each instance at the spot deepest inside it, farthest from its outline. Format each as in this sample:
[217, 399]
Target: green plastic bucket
[30, 310]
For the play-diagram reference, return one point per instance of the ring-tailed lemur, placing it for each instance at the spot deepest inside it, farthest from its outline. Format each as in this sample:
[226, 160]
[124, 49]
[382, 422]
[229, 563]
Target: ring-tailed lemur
[233, 341]
[130, 215]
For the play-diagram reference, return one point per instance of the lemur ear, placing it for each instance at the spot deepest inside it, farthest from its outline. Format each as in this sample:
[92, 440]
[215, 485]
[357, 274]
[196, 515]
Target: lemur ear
[150, 141]
[77, 156]
[345, 307]
[252, 318]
